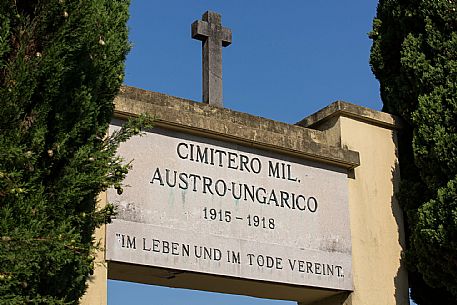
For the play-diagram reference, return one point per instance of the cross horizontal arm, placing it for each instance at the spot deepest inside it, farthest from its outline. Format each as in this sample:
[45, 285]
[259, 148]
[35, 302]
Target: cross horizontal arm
[226, 37]
[200, 30]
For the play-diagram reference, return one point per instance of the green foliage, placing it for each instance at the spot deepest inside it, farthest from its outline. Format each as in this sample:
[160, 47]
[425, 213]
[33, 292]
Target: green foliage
[414, 56]
[61, 65]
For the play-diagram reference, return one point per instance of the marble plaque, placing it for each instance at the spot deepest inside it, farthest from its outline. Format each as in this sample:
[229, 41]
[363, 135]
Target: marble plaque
[214, 207]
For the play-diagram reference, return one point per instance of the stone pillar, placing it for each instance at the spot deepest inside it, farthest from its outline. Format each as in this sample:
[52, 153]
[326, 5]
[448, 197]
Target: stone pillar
[96, 293]
[377, 227]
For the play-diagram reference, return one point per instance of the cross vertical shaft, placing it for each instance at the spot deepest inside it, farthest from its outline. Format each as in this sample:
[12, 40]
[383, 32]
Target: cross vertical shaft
[213, 36]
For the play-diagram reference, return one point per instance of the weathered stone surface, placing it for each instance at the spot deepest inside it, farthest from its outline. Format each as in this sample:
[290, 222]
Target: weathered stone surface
[213, 122]
[213, 36]
[208, 206]
[147, 210]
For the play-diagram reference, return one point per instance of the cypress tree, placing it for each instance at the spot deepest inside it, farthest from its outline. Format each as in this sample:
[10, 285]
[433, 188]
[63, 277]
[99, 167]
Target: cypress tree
[61, 65]
[414, 57]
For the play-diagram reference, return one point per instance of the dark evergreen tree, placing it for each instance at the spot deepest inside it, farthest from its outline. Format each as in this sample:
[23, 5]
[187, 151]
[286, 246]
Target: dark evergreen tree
[414, 56]
[61, 65]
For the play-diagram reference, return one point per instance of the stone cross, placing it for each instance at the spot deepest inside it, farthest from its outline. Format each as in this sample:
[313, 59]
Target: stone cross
[213, 36]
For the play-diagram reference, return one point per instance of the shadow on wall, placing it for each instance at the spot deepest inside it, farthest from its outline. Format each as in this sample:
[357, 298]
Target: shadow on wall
[398, 214]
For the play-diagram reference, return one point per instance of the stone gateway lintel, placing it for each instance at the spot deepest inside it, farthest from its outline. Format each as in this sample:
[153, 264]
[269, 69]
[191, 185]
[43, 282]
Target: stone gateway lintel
[229, 202]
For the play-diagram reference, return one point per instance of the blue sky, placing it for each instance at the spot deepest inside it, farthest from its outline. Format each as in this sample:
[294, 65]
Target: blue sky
[287, 60]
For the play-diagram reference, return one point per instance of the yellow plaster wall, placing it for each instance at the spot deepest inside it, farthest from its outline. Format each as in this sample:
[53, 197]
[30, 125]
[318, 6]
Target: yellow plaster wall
[376, 219]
